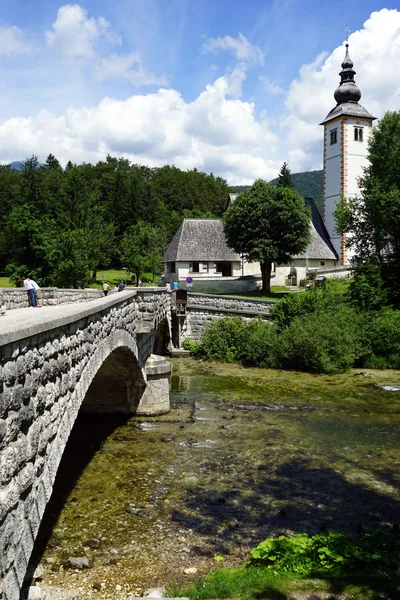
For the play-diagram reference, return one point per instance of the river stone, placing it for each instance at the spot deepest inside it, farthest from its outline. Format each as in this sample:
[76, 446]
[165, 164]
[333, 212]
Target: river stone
[155, 592]
[190, 571]
[389, 388]
[78, 562]
[35, 593]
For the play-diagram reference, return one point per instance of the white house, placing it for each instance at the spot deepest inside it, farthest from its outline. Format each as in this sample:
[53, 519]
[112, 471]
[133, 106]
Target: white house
[199, 251]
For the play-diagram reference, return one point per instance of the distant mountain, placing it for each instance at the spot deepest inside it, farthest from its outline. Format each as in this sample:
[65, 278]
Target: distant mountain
[16, 164]
[308, 184]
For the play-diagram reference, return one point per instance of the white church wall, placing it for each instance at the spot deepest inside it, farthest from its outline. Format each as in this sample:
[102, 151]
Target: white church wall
[333, 179]
[357, 153]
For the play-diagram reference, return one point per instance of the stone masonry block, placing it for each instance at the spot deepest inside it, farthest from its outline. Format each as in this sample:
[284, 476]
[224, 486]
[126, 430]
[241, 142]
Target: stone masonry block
[10, 586]
[9, 497]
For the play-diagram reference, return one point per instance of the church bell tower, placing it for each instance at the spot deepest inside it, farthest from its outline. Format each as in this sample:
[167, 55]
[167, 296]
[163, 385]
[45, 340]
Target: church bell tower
[347, 128]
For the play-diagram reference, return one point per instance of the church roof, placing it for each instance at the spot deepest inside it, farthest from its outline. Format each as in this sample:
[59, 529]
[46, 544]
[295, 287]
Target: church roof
[204, 240]
[321, 246]
[348, 109]
[200, 240]
[347, 95]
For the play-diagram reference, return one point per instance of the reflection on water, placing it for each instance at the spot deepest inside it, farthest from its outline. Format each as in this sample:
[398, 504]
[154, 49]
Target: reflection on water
[244, 454]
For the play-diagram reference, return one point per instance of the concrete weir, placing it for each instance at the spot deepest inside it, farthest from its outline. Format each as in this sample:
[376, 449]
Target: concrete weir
[93, 356]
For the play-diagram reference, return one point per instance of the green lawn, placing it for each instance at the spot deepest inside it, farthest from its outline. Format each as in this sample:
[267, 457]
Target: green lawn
[277, 292]
[114, 276]
[5, 282]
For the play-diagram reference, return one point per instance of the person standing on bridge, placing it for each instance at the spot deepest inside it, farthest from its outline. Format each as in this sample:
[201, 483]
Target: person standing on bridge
[30, 288]
[38, 294]
[106, 287]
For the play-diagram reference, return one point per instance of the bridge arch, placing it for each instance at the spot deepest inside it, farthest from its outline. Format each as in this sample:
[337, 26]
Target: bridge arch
[70, 362]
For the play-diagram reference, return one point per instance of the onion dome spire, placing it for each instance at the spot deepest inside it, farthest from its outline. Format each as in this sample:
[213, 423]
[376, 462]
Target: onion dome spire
[347, 90]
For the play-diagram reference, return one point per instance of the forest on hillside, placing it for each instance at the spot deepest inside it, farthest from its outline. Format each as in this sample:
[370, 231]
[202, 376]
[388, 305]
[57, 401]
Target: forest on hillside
[308, 184]
[60, 225]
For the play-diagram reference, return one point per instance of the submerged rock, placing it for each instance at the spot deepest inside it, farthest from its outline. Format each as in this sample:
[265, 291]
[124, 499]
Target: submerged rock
[77, 562]
[131, 510]
[155, 592]
[389, 388]
[206, 444]
[146, 426]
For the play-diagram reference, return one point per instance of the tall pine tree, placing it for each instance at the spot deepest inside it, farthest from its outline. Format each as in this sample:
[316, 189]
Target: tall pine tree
[285, 177]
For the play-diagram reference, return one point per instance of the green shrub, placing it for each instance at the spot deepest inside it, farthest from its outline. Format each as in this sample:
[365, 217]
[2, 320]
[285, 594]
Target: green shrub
[193, 347]
[224, 340]
[367, 290]
[301, 304]
[321, 342]
[381, 339]
[259, 349]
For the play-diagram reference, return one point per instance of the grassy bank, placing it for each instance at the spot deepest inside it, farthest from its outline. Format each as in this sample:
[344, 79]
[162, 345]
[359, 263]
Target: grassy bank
[364, 567]
[255, 583]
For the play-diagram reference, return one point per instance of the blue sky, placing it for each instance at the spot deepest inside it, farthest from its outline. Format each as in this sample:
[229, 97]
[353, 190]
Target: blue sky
[230, 86]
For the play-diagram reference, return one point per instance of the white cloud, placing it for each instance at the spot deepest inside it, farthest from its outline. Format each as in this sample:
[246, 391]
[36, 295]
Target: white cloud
[12, 42]
[212, 133]
[120, 66]
[240, 47]
[375, 51]
[270, 86]
[75, 35]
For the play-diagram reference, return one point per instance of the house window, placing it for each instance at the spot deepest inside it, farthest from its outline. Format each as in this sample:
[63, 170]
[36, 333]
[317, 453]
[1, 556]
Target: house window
[171, 267]
[225, 268]
[333, 136]
[194, 267]
[204, 267]
[358, 134]
[322, 263]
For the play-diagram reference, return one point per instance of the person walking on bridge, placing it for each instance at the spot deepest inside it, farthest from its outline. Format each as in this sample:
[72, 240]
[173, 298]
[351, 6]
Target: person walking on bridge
[30, 288]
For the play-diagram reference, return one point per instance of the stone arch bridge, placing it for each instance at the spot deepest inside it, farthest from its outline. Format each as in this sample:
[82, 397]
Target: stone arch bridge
[55, 361]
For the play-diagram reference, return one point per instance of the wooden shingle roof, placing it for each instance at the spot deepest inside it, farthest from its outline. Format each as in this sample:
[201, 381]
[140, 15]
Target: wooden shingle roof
[204, 240]
[321, 246]
[200, 240]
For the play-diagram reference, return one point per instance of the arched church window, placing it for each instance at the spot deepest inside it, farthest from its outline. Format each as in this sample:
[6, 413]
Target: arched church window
[358, 134]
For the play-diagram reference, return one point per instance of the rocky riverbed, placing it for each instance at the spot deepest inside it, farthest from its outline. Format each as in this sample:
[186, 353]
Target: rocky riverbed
[243, 454]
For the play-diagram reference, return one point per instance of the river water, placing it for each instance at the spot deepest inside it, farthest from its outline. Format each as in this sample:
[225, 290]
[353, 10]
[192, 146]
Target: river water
[243, 454]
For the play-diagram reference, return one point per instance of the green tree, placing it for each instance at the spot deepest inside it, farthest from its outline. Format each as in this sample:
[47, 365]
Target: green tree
[268, 224]
[285, 177]
[141, 249]
[373, 218]
[67, 254]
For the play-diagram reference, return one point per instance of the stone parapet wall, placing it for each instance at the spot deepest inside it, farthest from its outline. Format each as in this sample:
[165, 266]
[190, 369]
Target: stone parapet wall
[229, 303]
[18, 297]
[197, 320]
[47, 371]
[228, 285]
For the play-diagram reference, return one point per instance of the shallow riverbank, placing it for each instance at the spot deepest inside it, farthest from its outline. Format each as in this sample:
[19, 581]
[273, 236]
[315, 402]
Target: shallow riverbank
[244, 454]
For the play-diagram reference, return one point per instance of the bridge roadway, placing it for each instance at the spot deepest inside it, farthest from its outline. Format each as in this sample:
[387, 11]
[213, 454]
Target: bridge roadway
[54, 362]
[24, 322]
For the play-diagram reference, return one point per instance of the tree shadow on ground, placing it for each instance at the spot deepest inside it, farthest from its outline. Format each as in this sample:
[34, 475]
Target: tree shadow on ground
[296, 497]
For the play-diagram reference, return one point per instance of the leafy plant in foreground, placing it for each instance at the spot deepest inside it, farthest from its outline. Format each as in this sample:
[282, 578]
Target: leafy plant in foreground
[376, 551]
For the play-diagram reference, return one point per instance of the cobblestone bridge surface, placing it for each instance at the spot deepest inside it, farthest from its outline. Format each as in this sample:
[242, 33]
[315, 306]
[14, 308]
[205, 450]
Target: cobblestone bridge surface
[55, 361]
